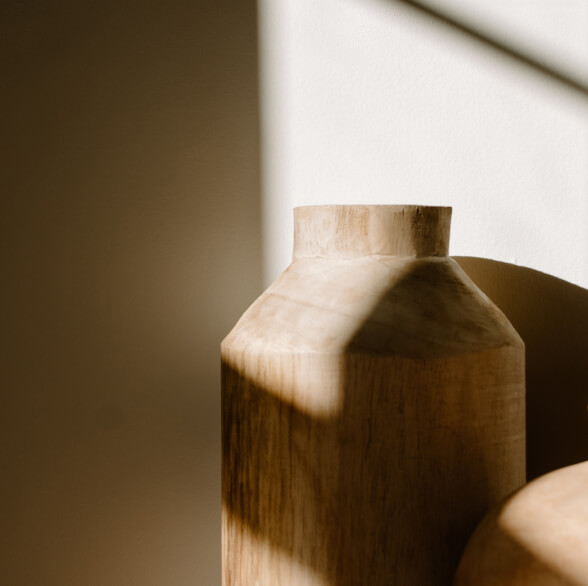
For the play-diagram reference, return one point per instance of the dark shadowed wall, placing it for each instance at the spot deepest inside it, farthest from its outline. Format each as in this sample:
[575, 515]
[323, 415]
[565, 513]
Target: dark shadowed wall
[130, 237]
[551, 315]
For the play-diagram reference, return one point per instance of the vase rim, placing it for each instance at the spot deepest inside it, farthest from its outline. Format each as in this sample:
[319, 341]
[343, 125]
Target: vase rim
[369, 230]
[374, 205]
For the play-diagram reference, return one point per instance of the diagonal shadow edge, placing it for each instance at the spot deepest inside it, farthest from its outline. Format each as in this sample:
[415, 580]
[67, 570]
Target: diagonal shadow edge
[500, 45]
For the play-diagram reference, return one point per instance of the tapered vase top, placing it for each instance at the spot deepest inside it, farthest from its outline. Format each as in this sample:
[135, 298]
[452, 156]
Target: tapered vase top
[366, 230]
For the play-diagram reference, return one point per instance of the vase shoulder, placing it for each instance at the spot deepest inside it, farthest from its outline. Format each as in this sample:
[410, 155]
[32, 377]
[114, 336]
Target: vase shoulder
[395, 306]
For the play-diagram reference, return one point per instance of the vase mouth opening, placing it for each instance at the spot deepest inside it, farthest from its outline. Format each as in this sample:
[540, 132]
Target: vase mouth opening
[347, 231]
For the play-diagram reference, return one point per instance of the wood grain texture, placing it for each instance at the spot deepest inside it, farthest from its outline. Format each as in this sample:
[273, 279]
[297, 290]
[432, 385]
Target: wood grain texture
[372, 408]
[538, 537]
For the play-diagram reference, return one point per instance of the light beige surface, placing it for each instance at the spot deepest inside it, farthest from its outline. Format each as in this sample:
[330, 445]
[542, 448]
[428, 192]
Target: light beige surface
[538, 537]
[129, 245]
[373, 408]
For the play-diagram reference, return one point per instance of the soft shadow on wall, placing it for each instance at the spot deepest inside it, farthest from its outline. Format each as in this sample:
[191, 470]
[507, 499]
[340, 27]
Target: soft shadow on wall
[130, 237]
[551, 315]
[500, 46]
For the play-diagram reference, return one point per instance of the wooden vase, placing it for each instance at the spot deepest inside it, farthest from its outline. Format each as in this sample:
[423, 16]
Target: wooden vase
[372, 408]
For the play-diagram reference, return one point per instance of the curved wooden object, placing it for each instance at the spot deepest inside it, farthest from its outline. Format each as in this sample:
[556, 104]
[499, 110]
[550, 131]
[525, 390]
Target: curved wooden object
[373, 408]
[538, 537]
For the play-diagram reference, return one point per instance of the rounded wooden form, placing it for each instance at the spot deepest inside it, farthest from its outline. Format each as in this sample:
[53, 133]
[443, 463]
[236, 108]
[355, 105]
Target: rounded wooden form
[372, 408]
[538, 537]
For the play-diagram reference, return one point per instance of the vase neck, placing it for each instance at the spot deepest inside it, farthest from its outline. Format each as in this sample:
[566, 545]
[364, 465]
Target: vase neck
[343, 231]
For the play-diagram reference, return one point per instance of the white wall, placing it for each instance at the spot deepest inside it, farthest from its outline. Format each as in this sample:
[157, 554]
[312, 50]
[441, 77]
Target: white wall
[369, 101]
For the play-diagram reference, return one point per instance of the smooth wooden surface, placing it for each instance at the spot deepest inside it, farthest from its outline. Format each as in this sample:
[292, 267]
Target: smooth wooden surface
[538, 537]
[373, 411]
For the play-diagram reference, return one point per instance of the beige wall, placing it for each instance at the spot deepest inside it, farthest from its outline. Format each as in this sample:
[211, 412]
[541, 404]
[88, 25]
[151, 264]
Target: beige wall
[130, 244]
[378, 101]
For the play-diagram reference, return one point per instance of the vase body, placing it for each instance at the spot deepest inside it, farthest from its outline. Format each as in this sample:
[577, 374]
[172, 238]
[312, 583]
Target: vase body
[372, 408]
